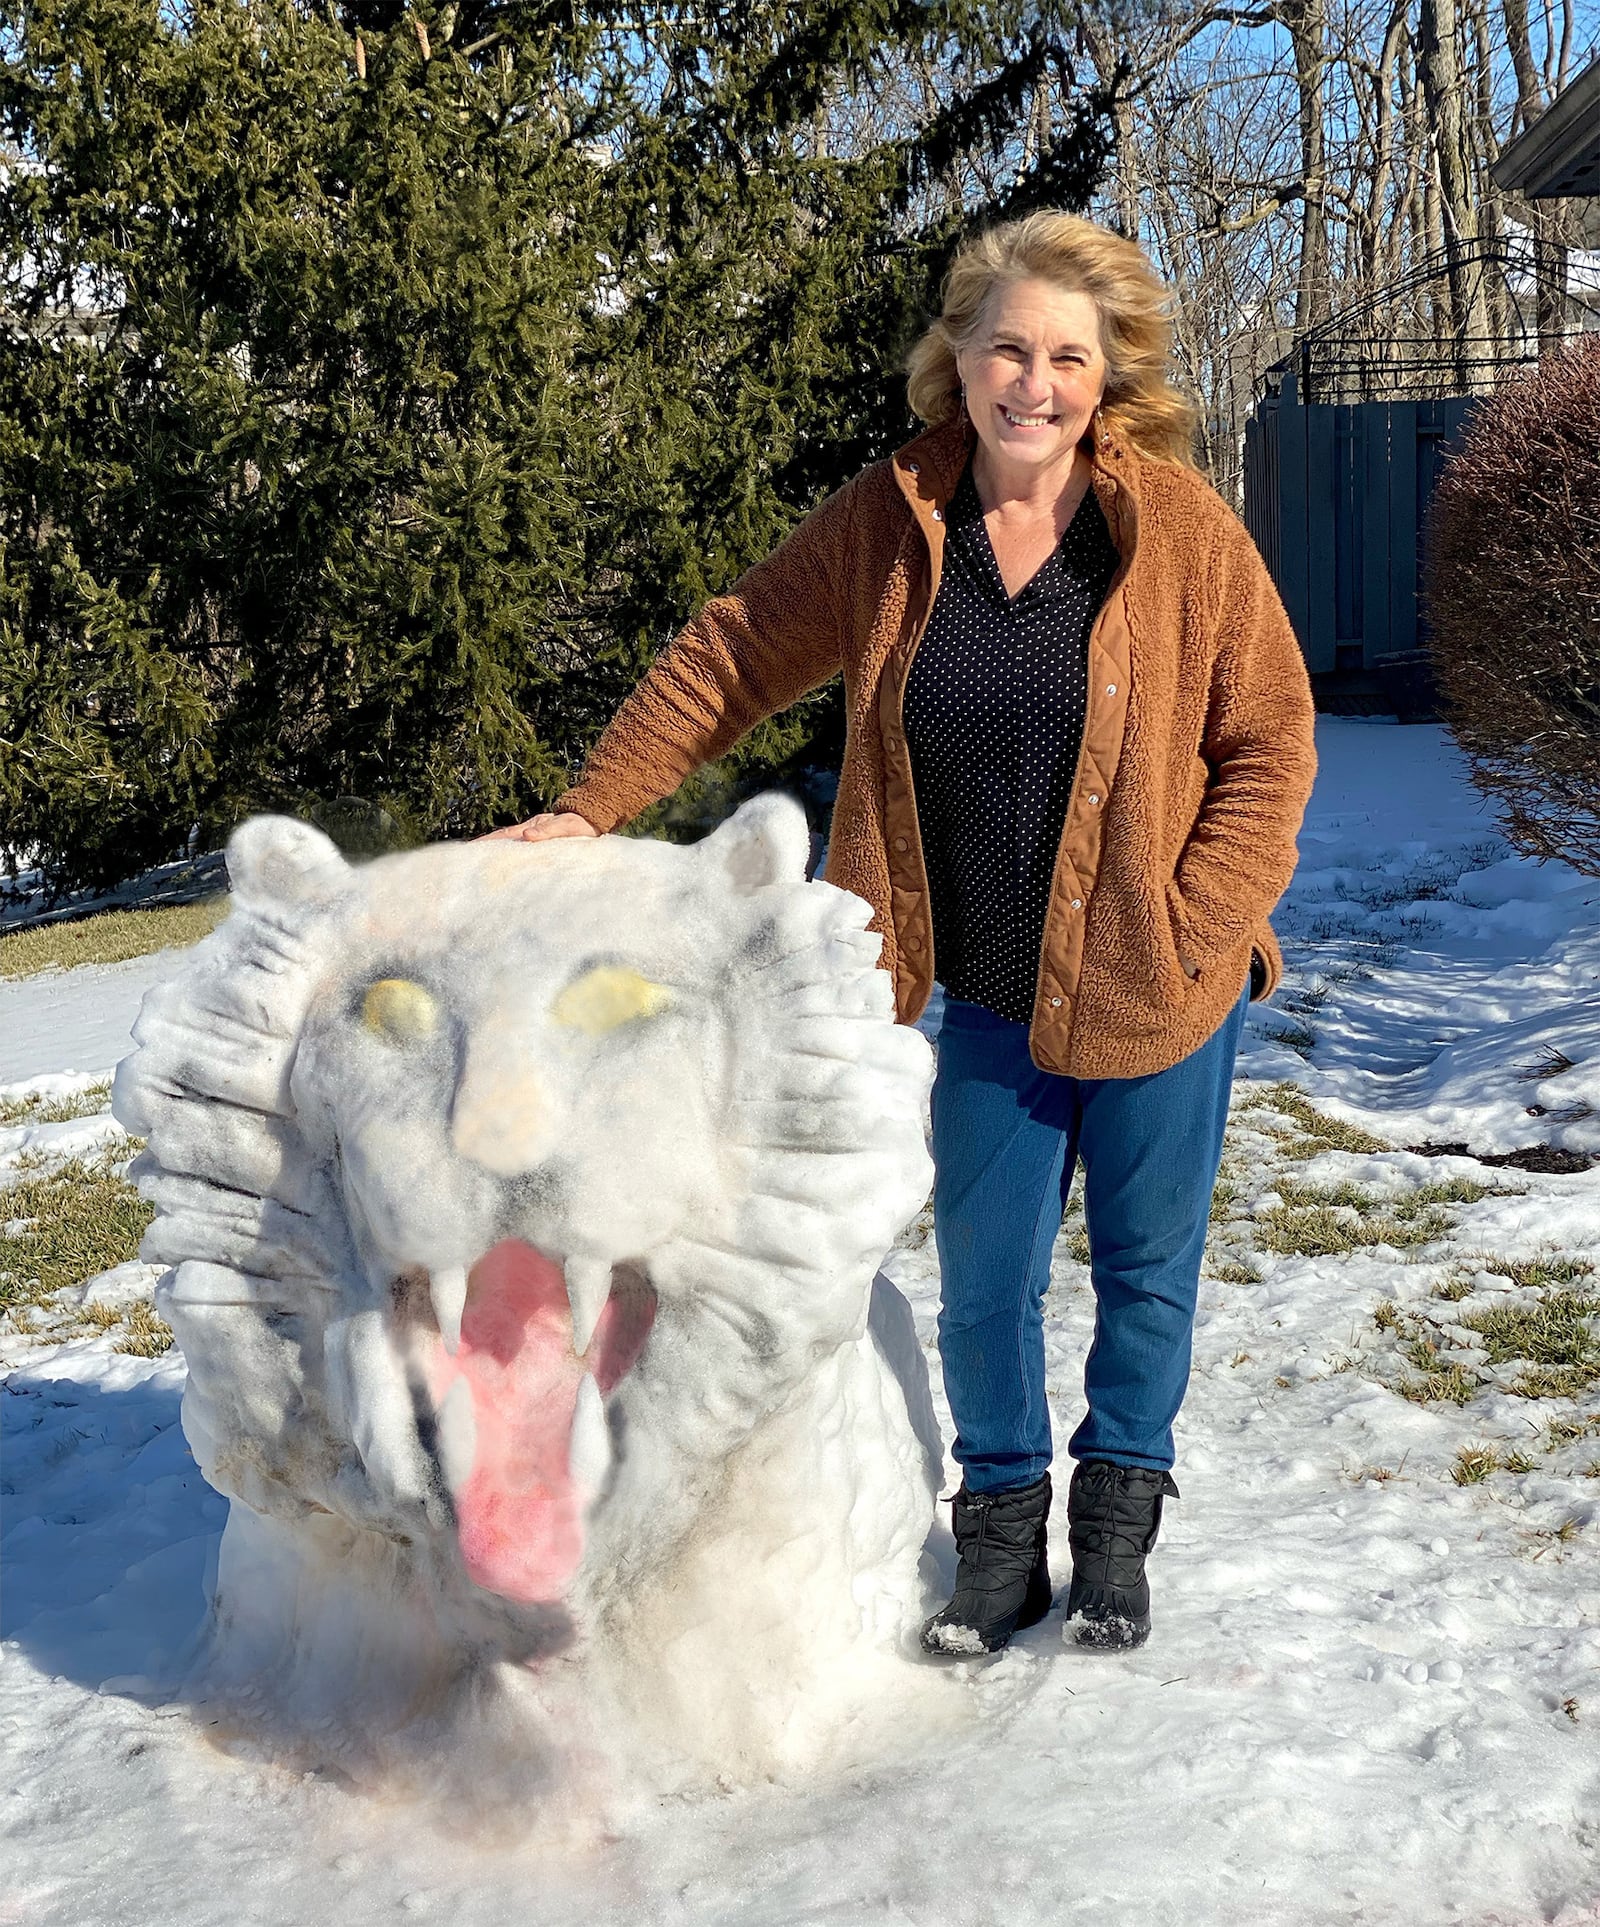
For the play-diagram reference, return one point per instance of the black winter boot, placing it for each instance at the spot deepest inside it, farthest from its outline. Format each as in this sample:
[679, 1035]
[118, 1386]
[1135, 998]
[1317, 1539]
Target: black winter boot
[1002, 1581]
[1113, 1516]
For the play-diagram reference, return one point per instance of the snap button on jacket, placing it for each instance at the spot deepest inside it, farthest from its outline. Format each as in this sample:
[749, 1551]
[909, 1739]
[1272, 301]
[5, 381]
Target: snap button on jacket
[1196, 765]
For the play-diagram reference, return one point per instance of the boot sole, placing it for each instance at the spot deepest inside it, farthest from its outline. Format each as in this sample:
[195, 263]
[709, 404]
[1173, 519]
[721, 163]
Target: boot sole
[1110, 1635]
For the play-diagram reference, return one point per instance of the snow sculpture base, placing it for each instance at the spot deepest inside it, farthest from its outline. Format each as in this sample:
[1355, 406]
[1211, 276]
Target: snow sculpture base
[524, 1203]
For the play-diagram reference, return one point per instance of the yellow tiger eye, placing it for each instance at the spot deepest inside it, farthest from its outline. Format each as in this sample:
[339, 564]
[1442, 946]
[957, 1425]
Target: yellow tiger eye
[608, 996]
[400, 1011]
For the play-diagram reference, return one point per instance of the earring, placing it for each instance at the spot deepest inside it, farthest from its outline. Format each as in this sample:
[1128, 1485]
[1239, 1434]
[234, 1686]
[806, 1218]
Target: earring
[1102, 433]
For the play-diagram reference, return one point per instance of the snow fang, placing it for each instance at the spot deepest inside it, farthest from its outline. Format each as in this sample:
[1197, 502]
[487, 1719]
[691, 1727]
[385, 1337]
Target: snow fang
[524, 1203]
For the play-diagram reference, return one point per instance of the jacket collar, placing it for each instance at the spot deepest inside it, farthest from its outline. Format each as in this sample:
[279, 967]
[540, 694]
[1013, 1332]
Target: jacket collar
[929, 467]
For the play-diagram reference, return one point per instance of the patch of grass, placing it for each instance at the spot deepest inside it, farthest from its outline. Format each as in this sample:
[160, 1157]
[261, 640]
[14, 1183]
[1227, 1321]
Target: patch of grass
[148, 1335]
[1225, 1195]
[99, 1318]
[1516, 1462]
[1408, 1204]
[1386, 1315]
[1548, 1538]
[1562, 1431]
[1439, 1384]
[144, 1335]
[1550, 1062]
[110, 936]
[1238, 1359]
[55, 1110]
[1326, 1220]
[1296, 1035]
[1322, 1231]
[1295, 1192]
[1555, 1381]
[1077, 1242]
[1454, 1288]
[1319, 1132]
[1552, 1331]
[1231, 1272]
[1447, 1191]
[1538, 1274]
[82, 1217]
[1474, 1464]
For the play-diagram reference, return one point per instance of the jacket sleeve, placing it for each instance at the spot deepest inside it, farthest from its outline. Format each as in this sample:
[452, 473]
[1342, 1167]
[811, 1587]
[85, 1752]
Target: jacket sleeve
[1259, 741]
[773, 637]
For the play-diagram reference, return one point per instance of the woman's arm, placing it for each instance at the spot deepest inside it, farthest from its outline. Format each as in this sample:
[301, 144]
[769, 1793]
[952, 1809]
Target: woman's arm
[746, 655]
[1259, 742]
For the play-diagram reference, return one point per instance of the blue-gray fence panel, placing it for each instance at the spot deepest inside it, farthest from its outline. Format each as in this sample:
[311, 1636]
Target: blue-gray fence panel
[1337, 500]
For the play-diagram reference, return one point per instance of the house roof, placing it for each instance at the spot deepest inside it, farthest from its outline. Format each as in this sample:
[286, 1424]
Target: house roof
[1560, 152]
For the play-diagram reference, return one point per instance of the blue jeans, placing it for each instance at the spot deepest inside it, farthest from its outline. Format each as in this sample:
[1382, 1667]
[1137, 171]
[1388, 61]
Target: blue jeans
[1006, 1137]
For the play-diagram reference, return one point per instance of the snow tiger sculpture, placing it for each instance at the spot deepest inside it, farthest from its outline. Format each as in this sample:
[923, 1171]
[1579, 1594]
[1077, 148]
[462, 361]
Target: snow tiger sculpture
[524, 1203]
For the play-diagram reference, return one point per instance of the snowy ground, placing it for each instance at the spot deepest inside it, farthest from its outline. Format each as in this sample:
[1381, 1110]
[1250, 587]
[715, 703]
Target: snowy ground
[1373, 1694]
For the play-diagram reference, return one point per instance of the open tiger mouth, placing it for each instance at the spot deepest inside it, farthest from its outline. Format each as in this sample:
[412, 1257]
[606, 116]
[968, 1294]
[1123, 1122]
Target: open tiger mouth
[526, 1361]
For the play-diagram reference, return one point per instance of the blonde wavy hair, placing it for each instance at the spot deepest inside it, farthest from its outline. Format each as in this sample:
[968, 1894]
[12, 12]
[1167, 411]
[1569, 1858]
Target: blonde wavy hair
[1141, 404]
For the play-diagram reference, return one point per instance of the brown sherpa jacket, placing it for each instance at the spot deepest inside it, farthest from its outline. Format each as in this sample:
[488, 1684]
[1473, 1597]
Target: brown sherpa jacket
[1196, 764]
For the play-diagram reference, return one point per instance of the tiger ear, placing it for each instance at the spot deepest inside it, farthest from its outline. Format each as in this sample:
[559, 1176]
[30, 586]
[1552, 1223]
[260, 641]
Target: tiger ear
[765, 841]
[279, 860]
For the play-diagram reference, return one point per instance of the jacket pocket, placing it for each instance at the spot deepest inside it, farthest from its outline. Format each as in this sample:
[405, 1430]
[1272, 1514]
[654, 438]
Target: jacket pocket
[1185, 966]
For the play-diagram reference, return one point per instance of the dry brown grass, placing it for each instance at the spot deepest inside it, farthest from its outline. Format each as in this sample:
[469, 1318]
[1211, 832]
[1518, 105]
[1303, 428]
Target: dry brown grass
[1317, 1131]
[148, 1336]
[55, 1110]
[110, 936]
[1551, 1336]
[79, 1218]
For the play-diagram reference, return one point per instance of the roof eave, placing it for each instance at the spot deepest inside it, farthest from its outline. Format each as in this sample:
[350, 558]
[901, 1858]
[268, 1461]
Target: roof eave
[1560, 153]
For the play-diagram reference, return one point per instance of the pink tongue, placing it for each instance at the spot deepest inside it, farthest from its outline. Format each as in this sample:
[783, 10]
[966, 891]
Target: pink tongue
[519, 1517]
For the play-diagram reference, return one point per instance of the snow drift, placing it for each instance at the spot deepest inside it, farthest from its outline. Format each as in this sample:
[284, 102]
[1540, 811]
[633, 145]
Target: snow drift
[524, 1204]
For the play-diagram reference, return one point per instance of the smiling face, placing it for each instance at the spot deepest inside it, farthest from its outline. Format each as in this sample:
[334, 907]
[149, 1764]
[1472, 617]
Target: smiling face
[1034, 373]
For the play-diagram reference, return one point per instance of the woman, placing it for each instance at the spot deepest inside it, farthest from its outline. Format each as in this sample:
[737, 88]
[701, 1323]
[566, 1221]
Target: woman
[1079, 747]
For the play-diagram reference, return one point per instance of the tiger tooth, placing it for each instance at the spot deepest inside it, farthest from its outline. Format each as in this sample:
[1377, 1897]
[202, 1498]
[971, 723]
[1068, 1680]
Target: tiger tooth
[588, 1288]
[589, 1449]
[457, 1435]
[448, 1290]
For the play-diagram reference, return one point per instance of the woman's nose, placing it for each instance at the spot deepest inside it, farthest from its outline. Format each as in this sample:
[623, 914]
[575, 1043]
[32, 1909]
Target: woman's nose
[1033, 376]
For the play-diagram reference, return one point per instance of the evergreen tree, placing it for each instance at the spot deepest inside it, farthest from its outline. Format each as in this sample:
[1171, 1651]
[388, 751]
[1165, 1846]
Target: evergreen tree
[379, 389]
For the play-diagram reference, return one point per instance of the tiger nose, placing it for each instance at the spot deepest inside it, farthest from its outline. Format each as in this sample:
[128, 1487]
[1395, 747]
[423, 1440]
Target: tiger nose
[501, 1118]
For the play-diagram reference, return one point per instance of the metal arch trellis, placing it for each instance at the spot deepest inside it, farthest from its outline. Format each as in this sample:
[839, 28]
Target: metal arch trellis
[1453, 325]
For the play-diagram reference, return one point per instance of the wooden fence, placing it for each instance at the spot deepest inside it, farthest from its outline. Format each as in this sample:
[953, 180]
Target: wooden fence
[1336, 497]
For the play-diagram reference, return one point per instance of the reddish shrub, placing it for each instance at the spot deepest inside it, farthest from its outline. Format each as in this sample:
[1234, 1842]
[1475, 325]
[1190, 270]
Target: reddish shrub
[1513, 599]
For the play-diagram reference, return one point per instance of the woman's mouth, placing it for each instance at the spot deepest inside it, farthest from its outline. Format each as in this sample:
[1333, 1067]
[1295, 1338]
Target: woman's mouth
[1027, 421]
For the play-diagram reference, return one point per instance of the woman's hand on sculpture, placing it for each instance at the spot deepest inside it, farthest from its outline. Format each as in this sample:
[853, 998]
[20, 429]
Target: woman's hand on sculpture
[539, 829]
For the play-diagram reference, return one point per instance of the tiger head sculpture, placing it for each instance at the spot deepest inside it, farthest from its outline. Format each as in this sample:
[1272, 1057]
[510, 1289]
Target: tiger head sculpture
[524, 1203]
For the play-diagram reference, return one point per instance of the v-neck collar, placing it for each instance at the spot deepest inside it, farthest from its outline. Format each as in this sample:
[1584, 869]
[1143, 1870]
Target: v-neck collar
[969, 533]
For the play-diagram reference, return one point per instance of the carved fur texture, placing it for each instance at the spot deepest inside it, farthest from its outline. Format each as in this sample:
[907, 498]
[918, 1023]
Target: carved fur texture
[523, 1204]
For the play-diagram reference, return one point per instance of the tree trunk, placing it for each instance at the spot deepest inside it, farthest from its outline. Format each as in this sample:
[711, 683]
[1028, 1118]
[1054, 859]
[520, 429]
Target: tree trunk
[1530, 97]
[1306, 25]
[1112, 75]
[1443, 92]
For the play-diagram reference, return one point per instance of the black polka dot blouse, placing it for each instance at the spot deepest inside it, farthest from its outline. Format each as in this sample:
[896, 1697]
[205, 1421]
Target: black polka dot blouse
[994, 713]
